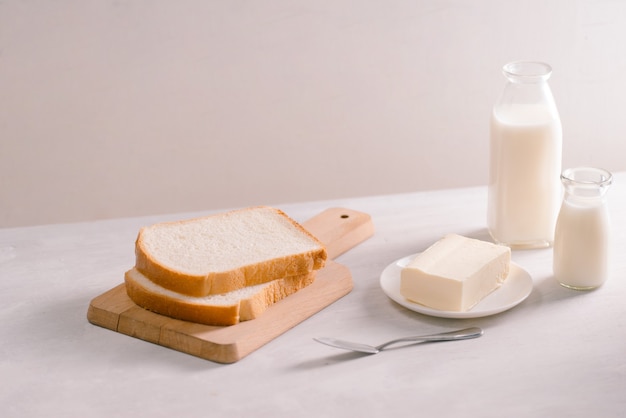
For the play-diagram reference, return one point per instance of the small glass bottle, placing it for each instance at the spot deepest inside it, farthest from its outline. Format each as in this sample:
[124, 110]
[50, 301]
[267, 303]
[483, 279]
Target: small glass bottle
[581, 244]
[525, 159]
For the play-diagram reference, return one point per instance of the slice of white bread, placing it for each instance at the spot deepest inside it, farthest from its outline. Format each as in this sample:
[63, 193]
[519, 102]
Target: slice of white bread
[224, 309]
[225, 252]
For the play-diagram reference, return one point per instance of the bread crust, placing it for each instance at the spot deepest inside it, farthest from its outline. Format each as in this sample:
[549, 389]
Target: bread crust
[218, 282]
[203, 312]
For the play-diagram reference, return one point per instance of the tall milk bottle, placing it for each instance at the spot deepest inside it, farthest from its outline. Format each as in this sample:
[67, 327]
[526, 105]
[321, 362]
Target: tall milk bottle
[524, 193]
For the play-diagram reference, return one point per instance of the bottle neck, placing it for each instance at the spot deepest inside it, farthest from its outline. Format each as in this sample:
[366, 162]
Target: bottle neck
[527, 91]
[586, 184]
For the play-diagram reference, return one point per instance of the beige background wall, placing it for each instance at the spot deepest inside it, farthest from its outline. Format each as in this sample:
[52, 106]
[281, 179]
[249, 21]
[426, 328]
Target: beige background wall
[123, 108]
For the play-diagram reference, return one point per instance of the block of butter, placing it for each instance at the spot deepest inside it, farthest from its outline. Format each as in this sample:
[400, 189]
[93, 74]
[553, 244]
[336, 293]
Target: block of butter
[455, 273]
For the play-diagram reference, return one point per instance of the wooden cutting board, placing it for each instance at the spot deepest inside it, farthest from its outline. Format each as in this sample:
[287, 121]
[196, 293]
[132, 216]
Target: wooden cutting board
[338, 228]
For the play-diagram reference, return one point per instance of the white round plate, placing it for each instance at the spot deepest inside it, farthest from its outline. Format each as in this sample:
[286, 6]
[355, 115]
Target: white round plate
[513, 291]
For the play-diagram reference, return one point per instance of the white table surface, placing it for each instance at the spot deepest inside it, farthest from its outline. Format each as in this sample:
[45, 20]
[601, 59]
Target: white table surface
[559, 353]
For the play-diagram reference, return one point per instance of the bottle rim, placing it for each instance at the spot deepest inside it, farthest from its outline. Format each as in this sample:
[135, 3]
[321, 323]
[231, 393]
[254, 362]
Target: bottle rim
[588, 177]
[527, 71]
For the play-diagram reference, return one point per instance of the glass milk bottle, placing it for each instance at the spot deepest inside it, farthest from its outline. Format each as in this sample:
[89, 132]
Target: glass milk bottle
[581, 243]
[525, 159]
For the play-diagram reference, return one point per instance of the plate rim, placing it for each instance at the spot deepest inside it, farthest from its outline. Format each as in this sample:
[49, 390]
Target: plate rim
[387, 276]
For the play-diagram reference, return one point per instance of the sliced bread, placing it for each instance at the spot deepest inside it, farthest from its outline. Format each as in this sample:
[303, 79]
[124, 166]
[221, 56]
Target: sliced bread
[225, 252]
[223, 309]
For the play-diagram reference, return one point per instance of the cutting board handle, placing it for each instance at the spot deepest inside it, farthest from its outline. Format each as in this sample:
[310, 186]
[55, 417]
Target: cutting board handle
[340, 229]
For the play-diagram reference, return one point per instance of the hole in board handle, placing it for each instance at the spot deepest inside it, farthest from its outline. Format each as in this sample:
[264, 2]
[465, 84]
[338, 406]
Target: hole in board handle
[344, 216]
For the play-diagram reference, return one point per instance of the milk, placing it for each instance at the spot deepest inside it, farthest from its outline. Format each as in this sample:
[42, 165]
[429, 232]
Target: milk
[581, 244]
[524, 186]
